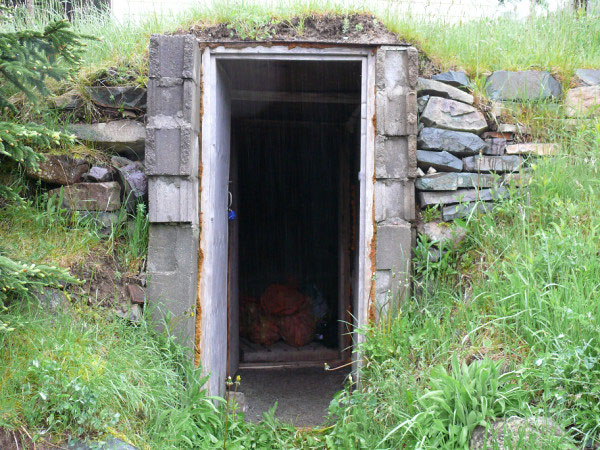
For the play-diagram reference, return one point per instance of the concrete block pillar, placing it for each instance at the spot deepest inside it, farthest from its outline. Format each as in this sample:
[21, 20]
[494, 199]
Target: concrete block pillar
[172, 166]
[396, 74]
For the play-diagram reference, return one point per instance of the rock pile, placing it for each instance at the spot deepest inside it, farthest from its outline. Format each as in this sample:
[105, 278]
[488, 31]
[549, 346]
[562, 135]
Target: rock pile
[463, 166]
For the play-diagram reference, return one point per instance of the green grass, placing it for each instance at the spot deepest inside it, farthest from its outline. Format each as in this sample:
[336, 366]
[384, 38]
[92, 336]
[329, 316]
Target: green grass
[559, 42]
[519, 297]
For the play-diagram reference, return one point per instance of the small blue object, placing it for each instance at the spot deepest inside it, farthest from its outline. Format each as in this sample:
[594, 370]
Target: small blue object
[232, 215]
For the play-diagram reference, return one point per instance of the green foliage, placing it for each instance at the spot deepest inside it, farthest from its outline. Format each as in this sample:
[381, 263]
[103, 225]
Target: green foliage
[457, 402]
[23, 142]
[17, 278]
[29, 57]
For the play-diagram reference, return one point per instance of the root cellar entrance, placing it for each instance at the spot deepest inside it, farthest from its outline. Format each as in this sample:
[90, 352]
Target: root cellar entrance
[280, 200]
[293, 186]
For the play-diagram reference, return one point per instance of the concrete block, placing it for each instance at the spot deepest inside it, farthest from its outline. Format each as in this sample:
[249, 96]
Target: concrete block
[172, 199]
[171, 149]
[396, 66]
[176, 56]
[172, 303]
[392, 158]
[172, 247]
[394, 199]
[175, 97]
[396, 112]
[394, 244]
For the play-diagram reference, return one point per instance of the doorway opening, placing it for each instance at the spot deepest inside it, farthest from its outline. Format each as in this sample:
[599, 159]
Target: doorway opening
[295, 145]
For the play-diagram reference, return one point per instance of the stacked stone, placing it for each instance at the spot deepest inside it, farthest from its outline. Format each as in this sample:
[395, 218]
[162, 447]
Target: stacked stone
[458, 170]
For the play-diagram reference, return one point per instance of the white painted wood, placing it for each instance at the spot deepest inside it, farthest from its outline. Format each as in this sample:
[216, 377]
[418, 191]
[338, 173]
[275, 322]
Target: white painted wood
[283, 52]
[214, 227]
[367, 171]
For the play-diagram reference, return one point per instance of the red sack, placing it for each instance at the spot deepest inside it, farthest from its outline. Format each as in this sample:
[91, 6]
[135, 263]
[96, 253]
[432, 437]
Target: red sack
[298, 329]
[264, 330]
[280, 300]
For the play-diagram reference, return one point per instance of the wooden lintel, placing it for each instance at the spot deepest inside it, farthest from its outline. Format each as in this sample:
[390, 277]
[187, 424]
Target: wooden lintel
[295, 97]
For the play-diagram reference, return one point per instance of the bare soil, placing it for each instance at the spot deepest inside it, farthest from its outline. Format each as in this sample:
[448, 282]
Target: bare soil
[325, 28]
[105, 283]
[18, 440]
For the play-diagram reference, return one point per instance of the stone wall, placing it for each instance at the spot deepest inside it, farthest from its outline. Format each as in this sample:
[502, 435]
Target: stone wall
[468, 159]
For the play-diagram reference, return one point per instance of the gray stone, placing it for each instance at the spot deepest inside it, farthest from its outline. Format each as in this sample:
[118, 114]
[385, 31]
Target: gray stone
[394, 247]
[458, 79]
[118, 97]
[439, 160]
[583, 101]
[394, 199]
[59, 169]
[105, 220]
[443, 234]
[125, 137]
[98, 174]
[589, 77]
[68, 101]
[51, 299]
[427, 198]
[437, 182]
[477, 180]
[135, 184]
[90, 196]
[420, 172]
[422, 103]
[533, 148]
[528, 85]
[109, 444]
[496, 147]
[453, 115]
[133, 314]
[509, 163]
[455, 142]
[516, 432]
[431, 171]
[461, 210]
[439, 89]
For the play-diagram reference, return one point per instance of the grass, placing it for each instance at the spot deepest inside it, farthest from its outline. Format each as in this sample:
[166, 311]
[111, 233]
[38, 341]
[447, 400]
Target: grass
[507, 324]
[559, 42]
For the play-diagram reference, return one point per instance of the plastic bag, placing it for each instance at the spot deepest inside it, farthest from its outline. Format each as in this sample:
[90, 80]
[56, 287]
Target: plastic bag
[281, 300]
[298, 329]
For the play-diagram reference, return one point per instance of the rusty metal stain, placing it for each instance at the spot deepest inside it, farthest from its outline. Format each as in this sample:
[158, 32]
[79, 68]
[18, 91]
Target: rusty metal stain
[198, 322]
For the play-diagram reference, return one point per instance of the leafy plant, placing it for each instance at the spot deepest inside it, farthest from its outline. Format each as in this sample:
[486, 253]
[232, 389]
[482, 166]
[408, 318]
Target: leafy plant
[468, 396]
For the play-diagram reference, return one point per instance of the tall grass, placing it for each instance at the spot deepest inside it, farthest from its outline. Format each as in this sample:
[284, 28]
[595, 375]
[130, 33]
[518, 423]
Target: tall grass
[560, 42]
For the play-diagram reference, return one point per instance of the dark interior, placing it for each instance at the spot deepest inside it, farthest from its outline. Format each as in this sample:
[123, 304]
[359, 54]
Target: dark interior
[295, 154]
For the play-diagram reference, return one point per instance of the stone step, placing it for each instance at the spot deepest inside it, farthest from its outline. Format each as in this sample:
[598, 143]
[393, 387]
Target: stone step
[509, 163]
[90, 196]
[456, 142]
[439, 89]
[452, 115]
[427, 198]
[537, 149]
[126, 137]
[443, 161]
[461, 210]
